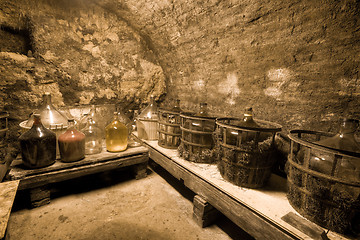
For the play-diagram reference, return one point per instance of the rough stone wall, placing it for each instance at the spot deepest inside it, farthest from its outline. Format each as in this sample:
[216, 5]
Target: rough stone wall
[295, 62]
[76, 50]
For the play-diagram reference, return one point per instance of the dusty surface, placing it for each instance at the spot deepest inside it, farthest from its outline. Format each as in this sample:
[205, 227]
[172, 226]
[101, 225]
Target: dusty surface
[115, 206]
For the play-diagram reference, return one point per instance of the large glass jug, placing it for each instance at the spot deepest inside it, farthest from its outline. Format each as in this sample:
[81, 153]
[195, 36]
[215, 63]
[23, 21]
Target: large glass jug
[133, 141]
[344, 140]
[147, 121]
[85, 117]
[38, 145]
[93, 138]
[116, 135]
[50, 117]
[72, 144]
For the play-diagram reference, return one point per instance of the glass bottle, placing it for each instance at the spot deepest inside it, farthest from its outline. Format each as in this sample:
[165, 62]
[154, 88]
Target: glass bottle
[203, 111]
[85, 116]
[124, 119]
[81, 124]
[176, 107]
[38, 145]
[50, 116]
[72, 144]
[147, 121]
[150, 112]
[248, 120]
[116, 135]
[349, 167]
[93, 138]
[133, 142]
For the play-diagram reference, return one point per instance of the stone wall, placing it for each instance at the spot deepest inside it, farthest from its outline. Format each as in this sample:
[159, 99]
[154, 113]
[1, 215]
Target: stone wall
[76, 50]
[295, 62]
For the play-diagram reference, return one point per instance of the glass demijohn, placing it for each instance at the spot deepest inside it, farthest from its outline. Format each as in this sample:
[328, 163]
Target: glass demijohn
[72, 144]
[50, 116]
[93, 138]
[116, 135]
[38, 145]
[132, 141]
[349, 167]
[147, 121]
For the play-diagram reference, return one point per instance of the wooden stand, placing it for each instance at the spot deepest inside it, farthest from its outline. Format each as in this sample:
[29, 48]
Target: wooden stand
[204, 214]
[264, 213]
[36, 181]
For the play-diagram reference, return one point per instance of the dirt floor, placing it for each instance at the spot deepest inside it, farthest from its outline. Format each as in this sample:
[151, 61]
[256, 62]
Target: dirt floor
[113, 205]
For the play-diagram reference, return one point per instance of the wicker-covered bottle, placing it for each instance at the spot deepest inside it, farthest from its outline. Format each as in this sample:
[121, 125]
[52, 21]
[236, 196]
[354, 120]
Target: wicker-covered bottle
[324, 177]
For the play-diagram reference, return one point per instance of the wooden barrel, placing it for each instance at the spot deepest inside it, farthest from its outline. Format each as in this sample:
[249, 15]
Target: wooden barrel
[169, 132]
[325, 195]
[197, 141]
[245, 154]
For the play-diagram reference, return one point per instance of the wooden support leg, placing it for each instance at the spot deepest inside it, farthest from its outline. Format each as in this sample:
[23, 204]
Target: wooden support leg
[39, 196]
[204, 213]
[140, 170]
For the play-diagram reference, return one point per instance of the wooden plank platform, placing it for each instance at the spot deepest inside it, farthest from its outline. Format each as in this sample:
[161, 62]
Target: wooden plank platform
[7, 196]
[264, 213]
[37, 180]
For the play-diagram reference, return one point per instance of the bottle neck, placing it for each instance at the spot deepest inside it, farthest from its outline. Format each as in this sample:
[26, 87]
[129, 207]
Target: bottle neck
[89, 123]
[37, 120]
[47, 99]
[177, 108]
[71, 124]
[248, 115]
[348, 127]
[115, 116]
[203, 109]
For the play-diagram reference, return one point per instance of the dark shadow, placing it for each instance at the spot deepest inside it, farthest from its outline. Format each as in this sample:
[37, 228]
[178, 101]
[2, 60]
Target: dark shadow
[80, 185]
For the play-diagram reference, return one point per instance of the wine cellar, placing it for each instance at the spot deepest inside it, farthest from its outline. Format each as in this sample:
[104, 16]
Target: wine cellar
[183, 119]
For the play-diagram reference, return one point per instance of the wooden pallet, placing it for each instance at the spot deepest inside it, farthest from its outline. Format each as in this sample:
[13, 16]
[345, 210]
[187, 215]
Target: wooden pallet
[37, 181]
[264, 213]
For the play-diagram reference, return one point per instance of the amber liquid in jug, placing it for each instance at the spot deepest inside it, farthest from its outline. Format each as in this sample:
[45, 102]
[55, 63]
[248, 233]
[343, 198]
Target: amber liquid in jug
[116, 135]
[72, 144]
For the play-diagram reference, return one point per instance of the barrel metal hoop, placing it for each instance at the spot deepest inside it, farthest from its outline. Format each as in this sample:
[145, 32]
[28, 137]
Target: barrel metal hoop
[274, 126]
[235, 148]
[322, 175]
[169, 124]
[195, 131]
[169, 133]
[196, 144]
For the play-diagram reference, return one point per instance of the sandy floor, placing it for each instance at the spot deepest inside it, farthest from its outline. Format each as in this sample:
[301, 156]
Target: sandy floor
[113, 205]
